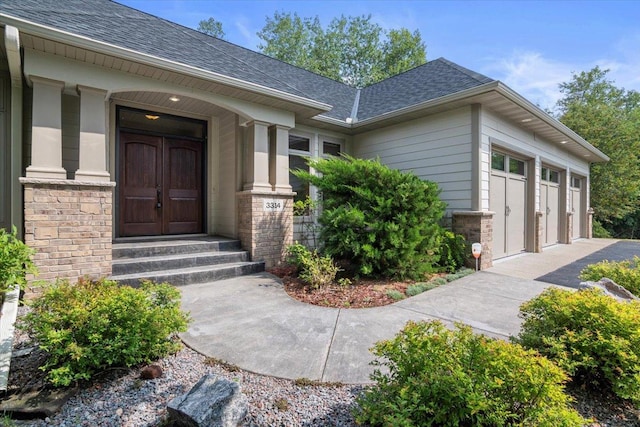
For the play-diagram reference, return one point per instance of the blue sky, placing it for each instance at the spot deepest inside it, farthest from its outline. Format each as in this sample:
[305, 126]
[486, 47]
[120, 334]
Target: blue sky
[532, 46]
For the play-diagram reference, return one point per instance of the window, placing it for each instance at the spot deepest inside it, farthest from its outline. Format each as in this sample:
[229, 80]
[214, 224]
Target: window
[516, 166]
[497, 161]
[299, 148]
[331, 148]
[550, 175]
[575, 182]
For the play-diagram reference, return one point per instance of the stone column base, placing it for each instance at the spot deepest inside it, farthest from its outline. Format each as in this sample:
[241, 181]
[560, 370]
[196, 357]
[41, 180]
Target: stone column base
[568, 237]
[590, 213]
[69, 224]
[537, 236]
[476, 227]
[265, 224]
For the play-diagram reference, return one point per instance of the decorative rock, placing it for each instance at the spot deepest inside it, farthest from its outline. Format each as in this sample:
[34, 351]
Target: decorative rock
[151, 372]
[610, 288]
[211, 402]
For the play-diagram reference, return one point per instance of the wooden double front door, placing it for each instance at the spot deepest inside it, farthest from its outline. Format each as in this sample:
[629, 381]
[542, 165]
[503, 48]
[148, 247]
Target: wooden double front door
[160, 185]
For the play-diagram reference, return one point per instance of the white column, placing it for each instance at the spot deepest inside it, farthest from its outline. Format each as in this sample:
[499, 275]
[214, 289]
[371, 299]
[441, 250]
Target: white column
[93, 141]
[257, 158]
[280, 156]
[46, 130]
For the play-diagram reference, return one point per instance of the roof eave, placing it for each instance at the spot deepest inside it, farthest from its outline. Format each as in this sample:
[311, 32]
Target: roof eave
[516, 98]
[57, 35]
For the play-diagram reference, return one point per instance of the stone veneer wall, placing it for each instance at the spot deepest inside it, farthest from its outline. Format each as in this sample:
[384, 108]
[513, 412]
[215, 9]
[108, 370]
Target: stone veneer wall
[476, 227]
[568, 237]
[537, 237]
[265, 234]
[69, 224]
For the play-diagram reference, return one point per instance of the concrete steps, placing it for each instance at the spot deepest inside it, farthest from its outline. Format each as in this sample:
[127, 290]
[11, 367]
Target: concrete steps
[180, 260]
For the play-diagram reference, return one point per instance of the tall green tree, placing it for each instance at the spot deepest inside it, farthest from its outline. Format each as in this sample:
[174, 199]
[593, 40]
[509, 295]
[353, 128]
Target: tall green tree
[354, 50]
[609, 118]
[212, 27]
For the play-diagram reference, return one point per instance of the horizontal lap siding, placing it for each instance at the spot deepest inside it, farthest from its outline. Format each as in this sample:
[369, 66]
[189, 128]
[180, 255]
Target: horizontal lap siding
[436, 148]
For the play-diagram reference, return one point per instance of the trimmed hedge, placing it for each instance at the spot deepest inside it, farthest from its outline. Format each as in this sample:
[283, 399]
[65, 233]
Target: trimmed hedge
[625, 273]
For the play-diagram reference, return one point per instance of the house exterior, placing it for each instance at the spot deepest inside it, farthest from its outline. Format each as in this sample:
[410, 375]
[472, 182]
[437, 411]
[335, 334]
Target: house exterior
[116, 124]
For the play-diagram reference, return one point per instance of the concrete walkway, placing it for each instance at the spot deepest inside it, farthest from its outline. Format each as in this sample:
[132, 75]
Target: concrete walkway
[251, 322]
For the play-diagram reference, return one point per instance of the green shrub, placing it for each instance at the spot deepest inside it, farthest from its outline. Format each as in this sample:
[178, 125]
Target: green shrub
[624, 273]
[599, 231]
[458, 274]
[395, 294]
[383, 220]
[89, 326]
[15, 261]
[418, 288]
[316, 270]
[594, 337]
[453, 251]
[438, 377]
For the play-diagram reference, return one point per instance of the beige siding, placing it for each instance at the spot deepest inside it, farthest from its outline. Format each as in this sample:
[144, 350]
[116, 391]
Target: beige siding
[436, 148]
[507, 135]
[224, 204]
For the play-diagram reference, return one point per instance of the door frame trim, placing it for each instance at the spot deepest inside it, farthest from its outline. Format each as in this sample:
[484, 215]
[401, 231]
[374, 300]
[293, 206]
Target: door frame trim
[117, 147]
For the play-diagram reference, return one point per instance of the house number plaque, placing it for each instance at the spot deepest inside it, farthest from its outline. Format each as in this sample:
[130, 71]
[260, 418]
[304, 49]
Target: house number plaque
[271, 205]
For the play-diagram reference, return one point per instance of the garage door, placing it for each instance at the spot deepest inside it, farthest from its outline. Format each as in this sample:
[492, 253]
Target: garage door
[549, 205]
[575, 192]
[508, 199]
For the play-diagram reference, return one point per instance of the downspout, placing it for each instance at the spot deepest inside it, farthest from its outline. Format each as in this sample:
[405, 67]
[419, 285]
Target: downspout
[12, 45]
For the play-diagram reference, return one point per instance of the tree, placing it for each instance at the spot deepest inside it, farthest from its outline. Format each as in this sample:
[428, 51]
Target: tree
[212, 27]
[354, 50]
[609, 118]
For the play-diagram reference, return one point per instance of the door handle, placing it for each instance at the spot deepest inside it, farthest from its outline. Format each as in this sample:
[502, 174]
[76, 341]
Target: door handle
[159, 198]
[507, 210]
[548, 210]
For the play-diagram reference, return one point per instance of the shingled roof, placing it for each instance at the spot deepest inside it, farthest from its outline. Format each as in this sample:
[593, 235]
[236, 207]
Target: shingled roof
[109, 22]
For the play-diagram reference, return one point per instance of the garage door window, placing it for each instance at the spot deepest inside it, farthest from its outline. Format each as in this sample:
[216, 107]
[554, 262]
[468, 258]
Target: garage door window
[575, 182]
[550, 175]
[497, 161]
[516, 166]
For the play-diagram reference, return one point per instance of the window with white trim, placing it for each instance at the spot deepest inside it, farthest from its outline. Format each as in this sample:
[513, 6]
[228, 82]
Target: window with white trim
[299, 148]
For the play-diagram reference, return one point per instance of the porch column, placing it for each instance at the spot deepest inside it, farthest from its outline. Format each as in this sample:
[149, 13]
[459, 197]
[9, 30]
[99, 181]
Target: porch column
[46, 131]
[93, 140]
[279, 159]
[257, 166]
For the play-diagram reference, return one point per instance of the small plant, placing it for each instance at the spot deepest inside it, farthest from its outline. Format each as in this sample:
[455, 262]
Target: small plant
[624, 273]
[281, 404]
[212, 361]
[453, 251]
[314, 269]
[15, 261]
[594, 337]
[432, 376]
[306, 213]
[458, 274]
[90, 326]
[418, 288]
[395, 294]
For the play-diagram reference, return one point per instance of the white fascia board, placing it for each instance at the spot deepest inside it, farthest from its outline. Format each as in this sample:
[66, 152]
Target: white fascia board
[516, 98]
[55, 34]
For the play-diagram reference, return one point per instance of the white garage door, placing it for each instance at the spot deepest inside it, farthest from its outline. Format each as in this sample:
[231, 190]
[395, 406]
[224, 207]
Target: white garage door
[575, 192]
[549, 205]
[508, 199]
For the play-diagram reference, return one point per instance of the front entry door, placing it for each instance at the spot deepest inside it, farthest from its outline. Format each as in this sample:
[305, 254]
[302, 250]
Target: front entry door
[160, 185]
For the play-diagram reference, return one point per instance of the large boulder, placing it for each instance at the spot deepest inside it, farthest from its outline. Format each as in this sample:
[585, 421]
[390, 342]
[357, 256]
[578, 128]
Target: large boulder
[610, 288]
[211, 402]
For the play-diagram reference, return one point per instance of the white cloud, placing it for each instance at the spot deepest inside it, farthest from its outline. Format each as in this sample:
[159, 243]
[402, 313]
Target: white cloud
[247, 32]
[537, 77]
[533, 76]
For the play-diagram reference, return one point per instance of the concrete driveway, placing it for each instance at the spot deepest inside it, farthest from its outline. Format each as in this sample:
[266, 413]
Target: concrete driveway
[251, 322]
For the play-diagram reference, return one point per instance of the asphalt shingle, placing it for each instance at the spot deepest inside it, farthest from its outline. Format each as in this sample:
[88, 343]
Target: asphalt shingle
[109, 22]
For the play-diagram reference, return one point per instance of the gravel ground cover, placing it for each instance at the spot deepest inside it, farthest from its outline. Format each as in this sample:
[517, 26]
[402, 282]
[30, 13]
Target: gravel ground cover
[121, 398]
